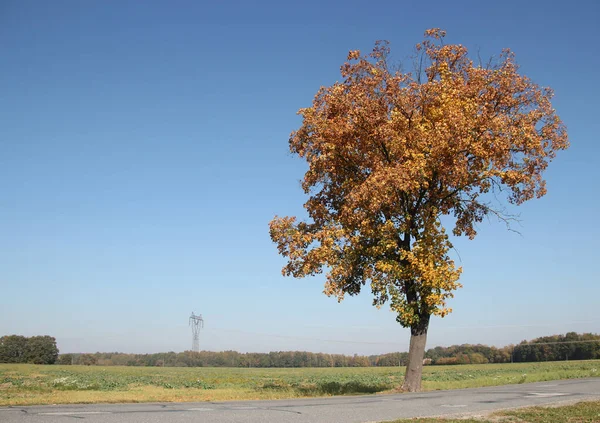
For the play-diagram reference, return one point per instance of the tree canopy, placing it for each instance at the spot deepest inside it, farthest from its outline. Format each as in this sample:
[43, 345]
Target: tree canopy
[391, 152]
[20, 349]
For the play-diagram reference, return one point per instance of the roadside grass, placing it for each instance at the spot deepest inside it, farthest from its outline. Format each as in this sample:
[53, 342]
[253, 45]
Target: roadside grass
[23, 384]
[583, 412]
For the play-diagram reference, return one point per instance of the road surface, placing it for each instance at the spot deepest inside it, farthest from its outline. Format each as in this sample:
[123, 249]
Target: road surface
[355, 409]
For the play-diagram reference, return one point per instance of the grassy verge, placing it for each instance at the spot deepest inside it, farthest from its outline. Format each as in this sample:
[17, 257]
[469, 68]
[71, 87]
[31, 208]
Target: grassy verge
[583, 412]
[30, 384]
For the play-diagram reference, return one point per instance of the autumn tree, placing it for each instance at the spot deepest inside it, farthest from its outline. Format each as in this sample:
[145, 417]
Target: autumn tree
[390, 153]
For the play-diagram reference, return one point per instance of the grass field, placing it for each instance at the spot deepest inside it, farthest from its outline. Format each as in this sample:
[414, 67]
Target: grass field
[583, 412]
[23, 384]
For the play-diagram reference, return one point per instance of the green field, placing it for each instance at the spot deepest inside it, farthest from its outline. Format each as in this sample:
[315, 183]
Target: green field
[23, 384]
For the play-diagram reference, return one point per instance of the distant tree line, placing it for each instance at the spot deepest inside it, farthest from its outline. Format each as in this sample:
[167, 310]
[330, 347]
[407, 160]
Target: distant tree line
[35, 349]
[571, 346]
[219, 359]
[468, 354]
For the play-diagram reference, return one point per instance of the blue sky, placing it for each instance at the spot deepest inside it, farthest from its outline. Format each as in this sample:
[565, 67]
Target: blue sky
[143, 151]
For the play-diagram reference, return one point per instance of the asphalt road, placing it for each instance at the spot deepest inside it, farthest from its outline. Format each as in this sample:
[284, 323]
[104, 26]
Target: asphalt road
[355, 409]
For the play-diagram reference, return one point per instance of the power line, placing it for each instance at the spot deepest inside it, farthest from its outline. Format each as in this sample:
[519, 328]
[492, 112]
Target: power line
[519, 326]
[559, 342]
[339, 341]
[303, 338]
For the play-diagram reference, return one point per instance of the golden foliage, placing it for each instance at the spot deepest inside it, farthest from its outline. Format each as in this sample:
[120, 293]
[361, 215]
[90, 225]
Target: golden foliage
[390, 153]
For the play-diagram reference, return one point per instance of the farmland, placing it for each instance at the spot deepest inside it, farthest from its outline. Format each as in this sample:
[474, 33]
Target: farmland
[23, 384]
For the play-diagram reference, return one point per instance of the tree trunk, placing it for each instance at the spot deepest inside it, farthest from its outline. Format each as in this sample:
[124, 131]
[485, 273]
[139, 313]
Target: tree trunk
[416, 353]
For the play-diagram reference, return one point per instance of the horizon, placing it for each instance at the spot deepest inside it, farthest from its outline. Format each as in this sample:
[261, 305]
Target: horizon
[522, 342]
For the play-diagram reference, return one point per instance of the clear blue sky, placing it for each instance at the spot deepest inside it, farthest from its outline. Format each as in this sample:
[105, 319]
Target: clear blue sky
[143, 151]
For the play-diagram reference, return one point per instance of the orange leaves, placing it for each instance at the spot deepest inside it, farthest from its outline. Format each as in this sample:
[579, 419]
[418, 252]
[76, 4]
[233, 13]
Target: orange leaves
[389, 153]
[436, 33]
[353, 54]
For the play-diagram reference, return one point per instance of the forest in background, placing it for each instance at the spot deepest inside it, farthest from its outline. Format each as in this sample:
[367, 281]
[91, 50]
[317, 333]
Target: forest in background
[571, 346]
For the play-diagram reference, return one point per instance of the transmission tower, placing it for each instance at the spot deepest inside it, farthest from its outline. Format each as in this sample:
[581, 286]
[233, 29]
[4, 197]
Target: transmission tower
[197, 323]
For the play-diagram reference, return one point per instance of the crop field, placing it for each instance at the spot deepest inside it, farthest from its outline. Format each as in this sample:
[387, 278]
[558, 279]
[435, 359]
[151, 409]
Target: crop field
[24, 384]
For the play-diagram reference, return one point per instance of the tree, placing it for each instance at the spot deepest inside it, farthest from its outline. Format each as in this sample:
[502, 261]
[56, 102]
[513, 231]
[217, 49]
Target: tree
[88, 360]
[20, 349]
[66, 359]
[391, 153]
[41, 350]
[13, 349]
